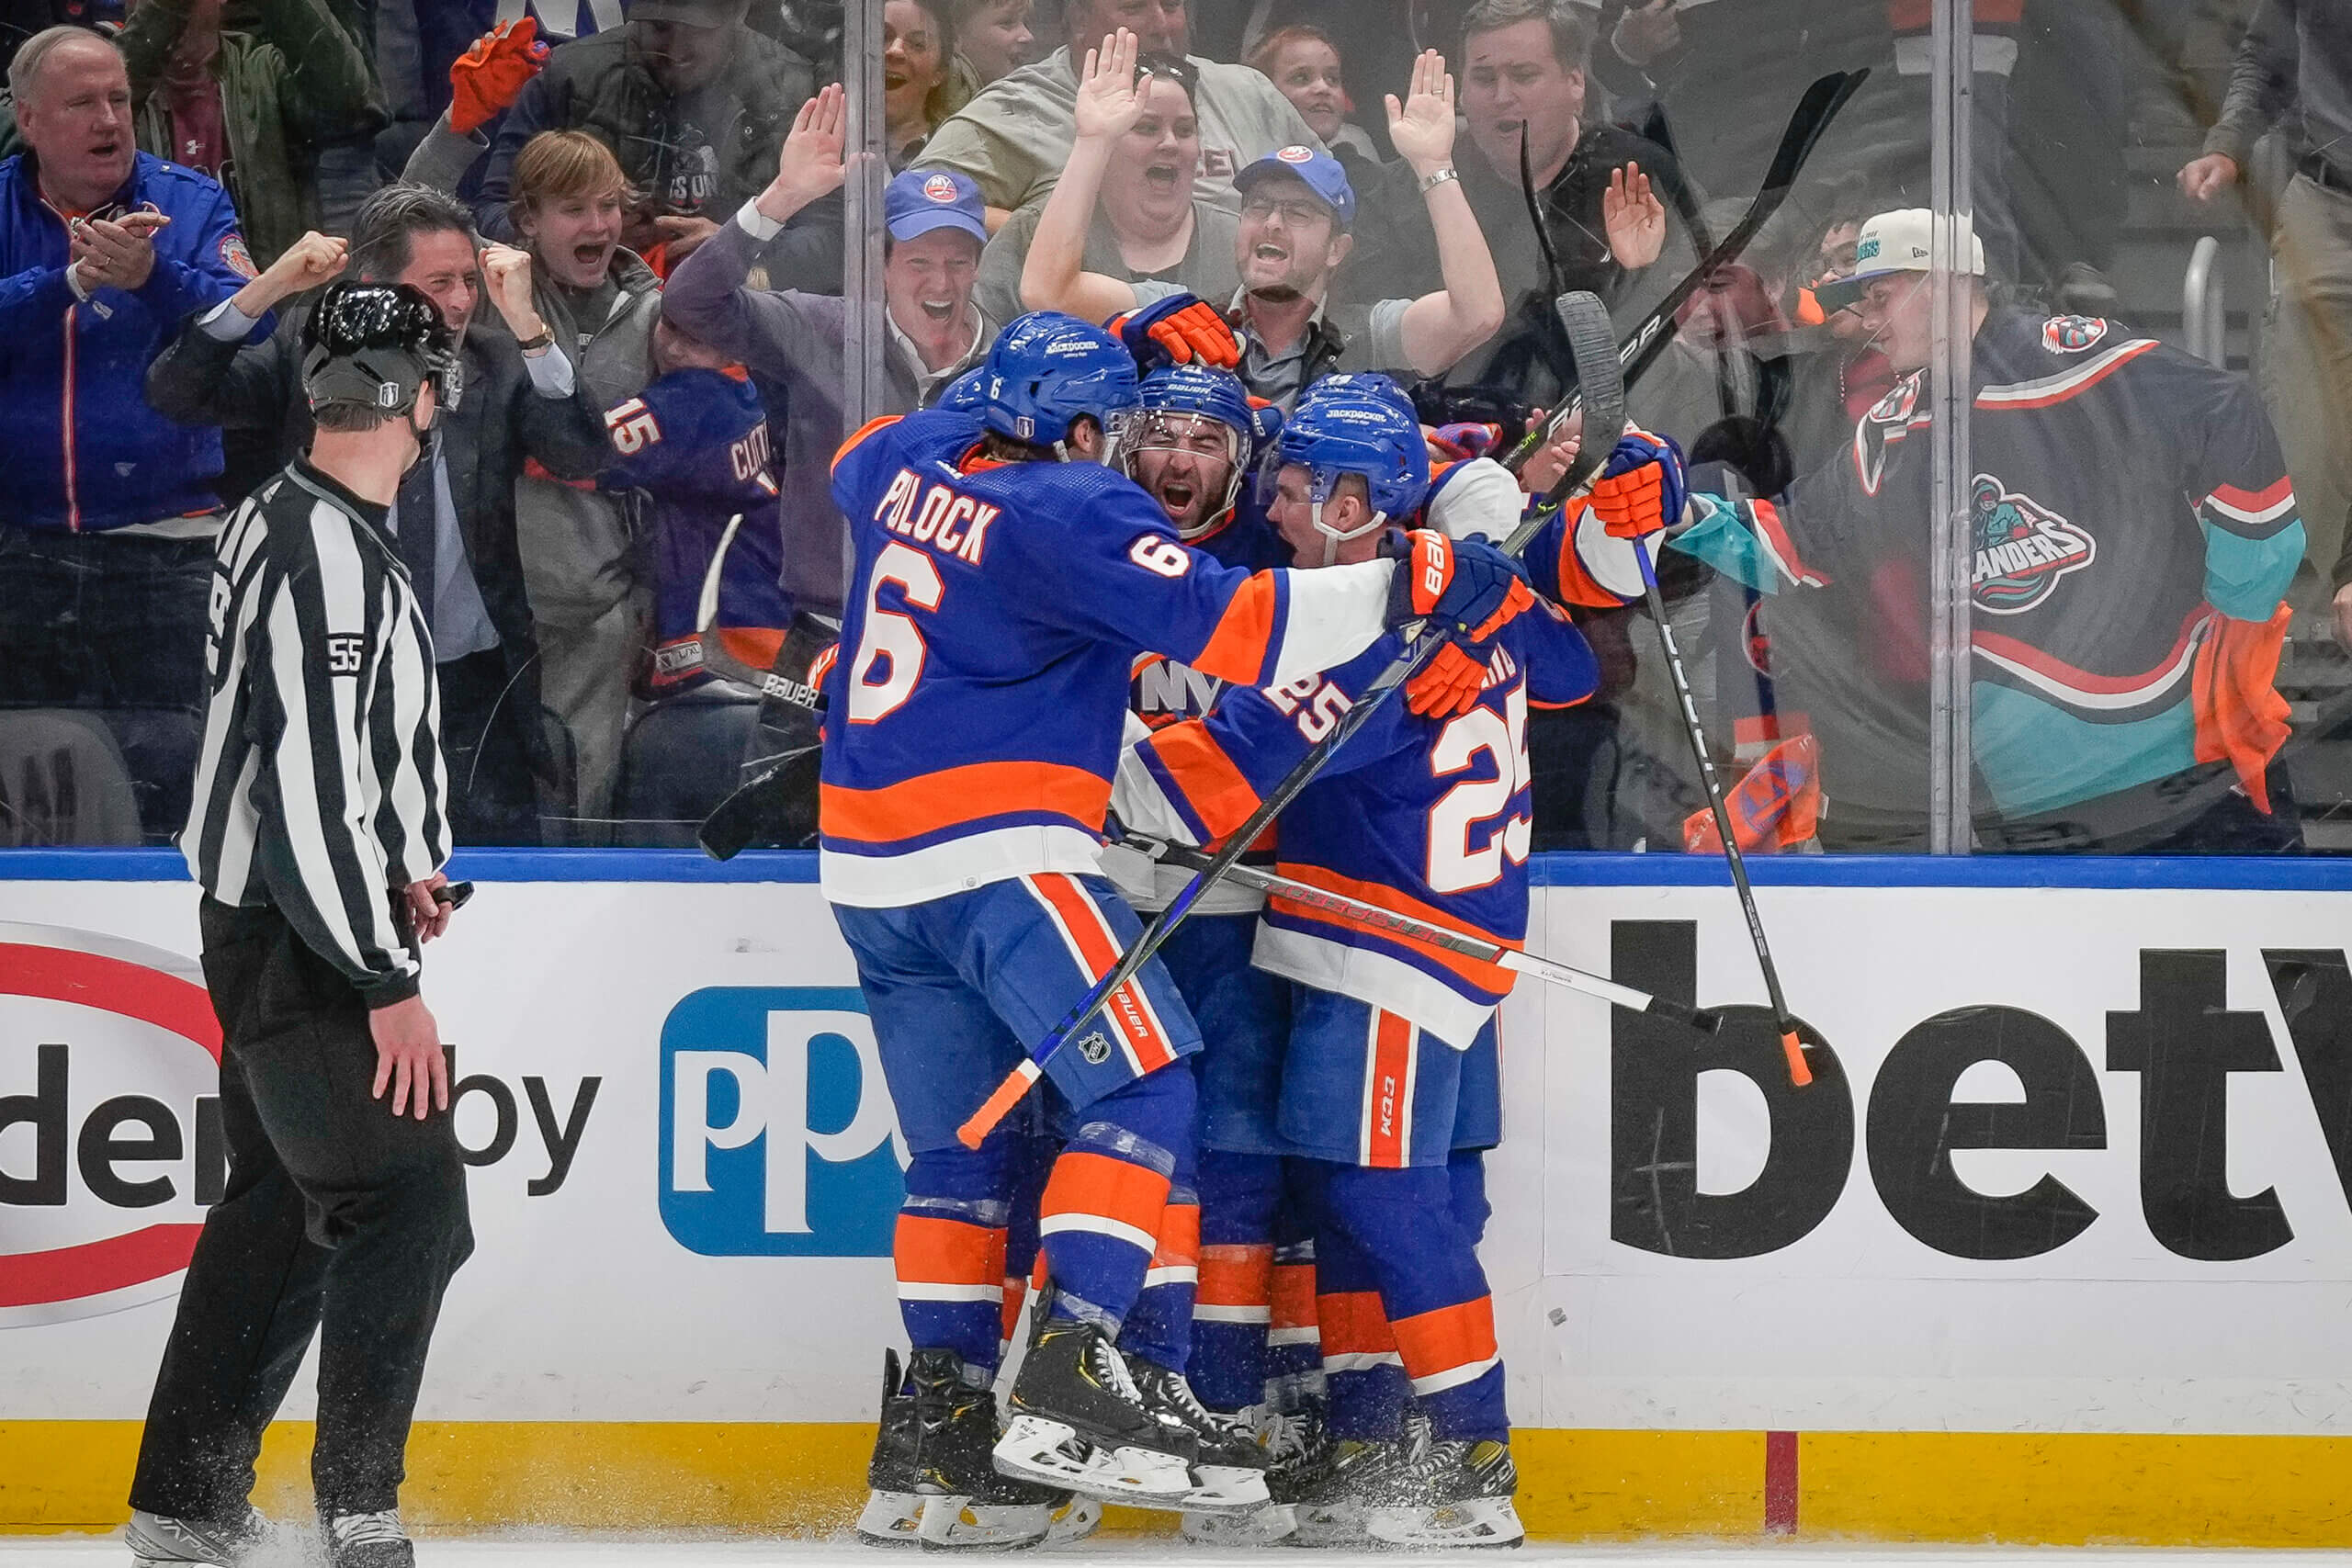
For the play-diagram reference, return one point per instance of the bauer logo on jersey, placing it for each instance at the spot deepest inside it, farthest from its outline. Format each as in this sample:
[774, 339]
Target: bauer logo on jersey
[2022, 548]
[777, 1137]
[2072, 335]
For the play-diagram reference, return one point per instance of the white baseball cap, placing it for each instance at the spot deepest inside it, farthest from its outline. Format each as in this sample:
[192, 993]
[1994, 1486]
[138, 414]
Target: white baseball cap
[1900, 240]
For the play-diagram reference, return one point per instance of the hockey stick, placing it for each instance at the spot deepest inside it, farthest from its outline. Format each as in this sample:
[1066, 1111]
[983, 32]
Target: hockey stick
[1813, 112]
[1372, 917]
[1587, 324]
[1791, 1038]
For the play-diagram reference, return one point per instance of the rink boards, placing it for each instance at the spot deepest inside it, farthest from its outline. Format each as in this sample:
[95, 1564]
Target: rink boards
[2057, 1247]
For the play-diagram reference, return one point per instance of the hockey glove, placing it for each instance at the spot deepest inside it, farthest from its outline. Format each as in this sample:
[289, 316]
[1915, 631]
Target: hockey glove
[1178, 330]
[1450, 683]
[1463, 587]
[491, 74]
[1643, 485]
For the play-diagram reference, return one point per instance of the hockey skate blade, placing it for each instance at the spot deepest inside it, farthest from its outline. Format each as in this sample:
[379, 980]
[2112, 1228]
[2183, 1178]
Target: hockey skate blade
[959, 1524]
[892, 1518]
[1231, 1490]
[1074, 1521]
[1481, 1522]
[1259, 1527]
[1048, 1452]
[1328, 1527]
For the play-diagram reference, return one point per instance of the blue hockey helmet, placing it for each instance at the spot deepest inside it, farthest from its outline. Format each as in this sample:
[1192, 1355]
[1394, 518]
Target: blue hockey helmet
[1363, 383]
[1347, 432]
[1048, 370]
[1174, 391]
[968, 393]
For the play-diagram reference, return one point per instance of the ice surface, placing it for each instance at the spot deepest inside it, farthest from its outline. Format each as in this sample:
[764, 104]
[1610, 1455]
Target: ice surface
[536, 1552]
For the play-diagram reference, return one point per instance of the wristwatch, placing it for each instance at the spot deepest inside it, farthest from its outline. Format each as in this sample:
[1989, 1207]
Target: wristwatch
[544, 339]
[1437, 177]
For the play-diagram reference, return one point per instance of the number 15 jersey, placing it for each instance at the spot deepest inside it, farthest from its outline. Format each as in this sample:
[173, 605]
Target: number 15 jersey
[975, 714]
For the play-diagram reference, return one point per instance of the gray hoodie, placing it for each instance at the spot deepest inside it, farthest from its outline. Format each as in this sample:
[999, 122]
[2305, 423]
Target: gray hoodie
[1014, 138]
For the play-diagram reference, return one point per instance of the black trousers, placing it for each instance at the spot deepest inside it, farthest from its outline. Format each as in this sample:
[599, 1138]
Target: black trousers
[338, 1217]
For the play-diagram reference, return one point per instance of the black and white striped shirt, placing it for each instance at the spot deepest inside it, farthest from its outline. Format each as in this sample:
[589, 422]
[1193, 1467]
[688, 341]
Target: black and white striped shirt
[321, 786]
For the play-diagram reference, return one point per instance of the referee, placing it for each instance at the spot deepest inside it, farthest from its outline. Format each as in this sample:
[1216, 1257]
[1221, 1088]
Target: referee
[319, 827]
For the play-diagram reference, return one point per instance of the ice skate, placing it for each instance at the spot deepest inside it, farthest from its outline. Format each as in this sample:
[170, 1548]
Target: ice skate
[1329, 1495]
[1078, 1421]
[1448, 1493]
[157, 1541]
[369, 1540]
[933, 1484]
[893, 1512]
[1229, 1476]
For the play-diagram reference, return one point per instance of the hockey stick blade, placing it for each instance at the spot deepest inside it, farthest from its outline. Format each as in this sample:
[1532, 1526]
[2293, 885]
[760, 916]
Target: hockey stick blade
[1590, 328]
[1813, 113]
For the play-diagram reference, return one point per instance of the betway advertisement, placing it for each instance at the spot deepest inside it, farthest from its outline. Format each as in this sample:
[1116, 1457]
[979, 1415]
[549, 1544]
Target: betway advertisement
[2076, 1159]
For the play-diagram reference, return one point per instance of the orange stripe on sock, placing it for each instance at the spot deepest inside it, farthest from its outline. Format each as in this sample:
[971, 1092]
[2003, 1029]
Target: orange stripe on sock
[1446, 1337]
[1353, 1324]
[1015, 1289]
[1092, 1184]
[948, 1252]
[1179, 1237]
[1240, 1276]
[1294, 1301]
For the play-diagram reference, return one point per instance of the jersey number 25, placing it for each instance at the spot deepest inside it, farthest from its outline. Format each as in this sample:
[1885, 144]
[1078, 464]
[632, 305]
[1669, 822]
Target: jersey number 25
[1455, 866]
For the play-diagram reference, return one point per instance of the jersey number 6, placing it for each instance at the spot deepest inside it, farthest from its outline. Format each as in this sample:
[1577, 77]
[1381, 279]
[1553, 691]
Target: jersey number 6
[890, 638]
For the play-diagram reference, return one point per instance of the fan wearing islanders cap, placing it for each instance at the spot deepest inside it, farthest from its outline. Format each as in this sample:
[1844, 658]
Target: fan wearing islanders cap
[934, 230]
[1296, 210]
[2131, 533]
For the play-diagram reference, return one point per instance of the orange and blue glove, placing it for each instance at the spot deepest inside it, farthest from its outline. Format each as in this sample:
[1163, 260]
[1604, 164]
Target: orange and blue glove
[491, 74]
[1180, 330]
[1467, 591]
[1643, 487]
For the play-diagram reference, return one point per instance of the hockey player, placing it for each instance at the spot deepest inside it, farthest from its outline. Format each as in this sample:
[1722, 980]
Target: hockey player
[1006, 578]
[2134, 531]
[1426, 812]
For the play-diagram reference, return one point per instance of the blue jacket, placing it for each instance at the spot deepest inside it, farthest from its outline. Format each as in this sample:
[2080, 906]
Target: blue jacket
[85, 452]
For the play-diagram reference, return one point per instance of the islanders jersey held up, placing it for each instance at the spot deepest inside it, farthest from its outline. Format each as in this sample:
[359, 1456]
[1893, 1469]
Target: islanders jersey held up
[1428, 816]
[976, 713]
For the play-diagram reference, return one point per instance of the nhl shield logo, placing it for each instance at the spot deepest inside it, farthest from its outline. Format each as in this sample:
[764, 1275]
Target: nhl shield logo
[2022, 548]
[1095, 1048]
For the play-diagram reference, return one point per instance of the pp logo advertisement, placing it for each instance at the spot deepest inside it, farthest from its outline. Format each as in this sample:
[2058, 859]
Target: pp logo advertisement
[778, 1138]
[110, 1132]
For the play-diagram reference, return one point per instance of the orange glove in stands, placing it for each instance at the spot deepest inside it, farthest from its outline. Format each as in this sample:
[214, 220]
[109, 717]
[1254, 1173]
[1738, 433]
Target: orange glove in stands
[487, 77]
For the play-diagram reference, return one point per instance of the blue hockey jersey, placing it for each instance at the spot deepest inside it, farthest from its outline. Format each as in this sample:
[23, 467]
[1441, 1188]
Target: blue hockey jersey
[978, 710]
[1428, 816]
[696, 443]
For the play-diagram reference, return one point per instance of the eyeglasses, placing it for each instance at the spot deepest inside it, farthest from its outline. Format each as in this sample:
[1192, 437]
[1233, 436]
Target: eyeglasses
[1257, 211]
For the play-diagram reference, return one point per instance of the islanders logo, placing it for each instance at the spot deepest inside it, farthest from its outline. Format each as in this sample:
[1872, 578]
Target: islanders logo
[940, 188]
[2072, 335]
[2022, 548]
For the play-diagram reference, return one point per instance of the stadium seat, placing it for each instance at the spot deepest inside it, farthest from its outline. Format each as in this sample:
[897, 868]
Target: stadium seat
[681, 759]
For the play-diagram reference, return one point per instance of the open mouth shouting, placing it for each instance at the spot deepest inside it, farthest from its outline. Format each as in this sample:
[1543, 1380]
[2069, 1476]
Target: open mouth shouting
[940, 312]
[1176, 494]
[1161, 176]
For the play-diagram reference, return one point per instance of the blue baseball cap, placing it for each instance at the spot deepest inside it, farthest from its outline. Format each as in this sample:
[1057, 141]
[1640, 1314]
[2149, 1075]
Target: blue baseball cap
[1320, 172]
[920, 200]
